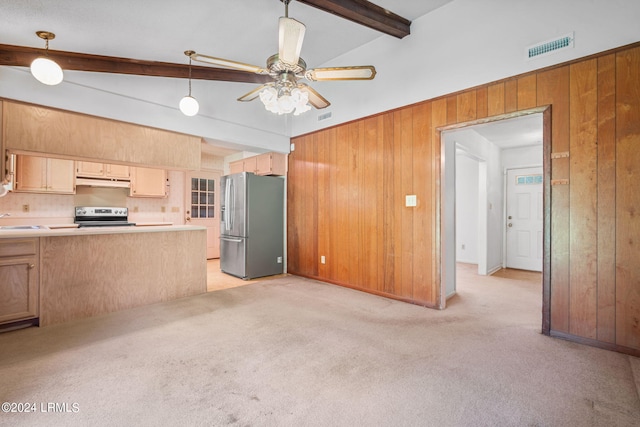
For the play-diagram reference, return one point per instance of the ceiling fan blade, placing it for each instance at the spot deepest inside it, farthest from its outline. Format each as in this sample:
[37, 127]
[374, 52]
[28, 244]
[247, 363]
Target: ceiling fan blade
[364, 72]
[290, 37]
[315, 99]
[250, 96]
[228, 63]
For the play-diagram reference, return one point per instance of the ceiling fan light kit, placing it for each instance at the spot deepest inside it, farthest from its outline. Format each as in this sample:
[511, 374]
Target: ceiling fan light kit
[188, 104]
[286, 94]
[44, 69]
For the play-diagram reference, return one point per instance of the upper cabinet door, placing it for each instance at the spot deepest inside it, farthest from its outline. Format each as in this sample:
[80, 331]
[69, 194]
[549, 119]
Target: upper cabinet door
[90, 169]
[43, 175]
[148, 182]
[61, 176]
[117, 171]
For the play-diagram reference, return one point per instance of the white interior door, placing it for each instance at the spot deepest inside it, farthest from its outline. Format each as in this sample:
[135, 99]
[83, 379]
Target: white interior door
[202, 207]
[524, 219]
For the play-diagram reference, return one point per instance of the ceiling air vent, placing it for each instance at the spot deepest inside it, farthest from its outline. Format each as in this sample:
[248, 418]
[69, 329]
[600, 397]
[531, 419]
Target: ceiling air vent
[325, 116]
[551, 46]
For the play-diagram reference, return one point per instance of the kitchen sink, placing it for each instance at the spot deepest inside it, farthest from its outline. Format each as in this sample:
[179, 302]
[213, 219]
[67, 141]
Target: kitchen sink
[23, 227]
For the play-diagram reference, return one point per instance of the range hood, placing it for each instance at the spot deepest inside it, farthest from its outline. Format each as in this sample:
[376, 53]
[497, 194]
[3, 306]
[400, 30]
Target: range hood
[94, 182]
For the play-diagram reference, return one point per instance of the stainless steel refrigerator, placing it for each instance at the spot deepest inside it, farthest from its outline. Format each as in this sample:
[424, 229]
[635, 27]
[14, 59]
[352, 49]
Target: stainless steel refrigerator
[251, 225]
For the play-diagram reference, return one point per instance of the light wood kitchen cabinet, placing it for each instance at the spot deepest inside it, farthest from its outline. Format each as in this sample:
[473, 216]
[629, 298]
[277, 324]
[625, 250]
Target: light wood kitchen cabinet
[44, 175]
[102, 170]
[148, 182]
[18, 279]
[271, 164]
[244, 165]
[263, 164]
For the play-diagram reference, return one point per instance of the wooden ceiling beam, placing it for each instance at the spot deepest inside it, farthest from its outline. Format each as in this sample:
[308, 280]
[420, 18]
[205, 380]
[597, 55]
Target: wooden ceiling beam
[365, 13]
[21, 56]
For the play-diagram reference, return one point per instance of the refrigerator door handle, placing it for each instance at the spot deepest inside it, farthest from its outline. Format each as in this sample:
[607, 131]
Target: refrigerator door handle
[226, 239]
[227, 195]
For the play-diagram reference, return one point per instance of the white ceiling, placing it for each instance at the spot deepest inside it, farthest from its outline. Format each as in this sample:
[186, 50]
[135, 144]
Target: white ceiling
[520, 131]
[161, 30]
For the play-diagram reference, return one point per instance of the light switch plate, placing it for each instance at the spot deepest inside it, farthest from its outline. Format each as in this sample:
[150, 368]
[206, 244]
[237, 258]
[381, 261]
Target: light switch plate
[411, 200]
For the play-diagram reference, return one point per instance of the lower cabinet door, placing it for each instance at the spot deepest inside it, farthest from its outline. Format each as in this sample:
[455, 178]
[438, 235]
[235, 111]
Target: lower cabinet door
[18, 288]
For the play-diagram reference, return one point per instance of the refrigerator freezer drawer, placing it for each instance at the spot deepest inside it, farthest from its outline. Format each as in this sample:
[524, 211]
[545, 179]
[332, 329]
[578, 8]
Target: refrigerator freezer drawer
[233, 255]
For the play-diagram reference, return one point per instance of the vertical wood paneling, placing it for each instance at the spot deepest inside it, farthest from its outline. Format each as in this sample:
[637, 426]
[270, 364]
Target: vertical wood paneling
[390, 218]
[628, 198]
[324, 205]
[495, 99]
[527, 92]
[347, 188]
[334, 230]
[423, 217]
[553, 89]
[482, 102]
[372, 197]
[438, 118]
[452, 109]
[356, 176]
[606, 199]
[510, 96]
[466, 106]
[406, 171]
[343, 245]
[583, 103]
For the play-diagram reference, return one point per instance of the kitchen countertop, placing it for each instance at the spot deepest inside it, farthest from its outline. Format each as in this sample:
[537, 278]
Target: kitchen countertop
[85, 231]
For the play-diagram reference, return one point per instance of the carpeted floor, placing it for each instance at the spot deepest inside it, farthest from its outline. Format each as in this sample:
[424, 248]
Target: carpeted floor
[295, 352]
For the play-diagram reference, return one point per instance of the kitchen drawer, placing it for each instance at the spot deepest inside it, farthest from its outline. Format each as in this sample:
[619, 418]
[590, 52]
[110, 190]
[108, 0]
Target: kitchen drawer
[18, 247]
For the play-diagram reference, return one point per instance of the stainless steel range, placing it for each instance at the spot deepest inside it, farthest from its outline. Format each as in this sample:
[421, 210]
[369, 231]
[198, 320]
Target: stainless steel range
[102, 217]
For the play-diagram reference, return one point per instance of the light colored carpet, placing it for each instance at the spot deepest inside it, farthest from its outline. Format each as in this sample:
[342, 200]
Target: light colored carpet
[295, 352]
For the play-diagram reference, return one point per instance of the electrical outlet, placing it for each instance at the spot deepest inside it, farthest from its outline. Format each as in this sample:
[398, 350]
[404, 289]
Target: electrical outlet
[163, 209]
[135, 209]
[175, 209]
[25, 208]
[279, 260]
[323, 260]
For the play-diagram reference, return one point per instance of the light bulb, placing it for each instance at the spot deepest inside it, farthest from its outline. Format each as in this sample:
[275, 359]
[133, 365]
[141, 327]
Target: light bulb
[189, 106]
[46, 71]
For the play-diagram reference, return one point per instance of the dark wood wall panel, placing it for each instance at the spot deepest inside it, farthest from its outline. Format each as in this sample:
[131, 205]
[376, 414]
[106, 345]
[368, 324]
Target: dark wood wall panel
[527, 94]
[583, 244]
[495, 94]
[553, 89]
[347, 189]
[628, 198]
[606, 322]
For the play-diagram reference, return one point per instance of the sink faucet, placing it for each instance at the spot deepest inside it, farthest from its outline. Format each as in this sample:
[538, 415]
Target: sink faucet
[4, 214]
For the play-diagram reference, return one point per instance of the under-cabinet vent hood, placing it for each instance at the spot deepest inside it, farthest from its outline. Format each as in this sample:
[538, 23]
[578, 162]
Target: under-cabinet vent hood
[93, 182]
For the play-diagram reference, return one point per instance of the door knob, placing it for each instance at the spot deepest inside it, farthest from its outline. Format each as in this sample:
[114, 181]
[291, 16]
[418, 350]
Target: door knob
[510, 217]
[188, 218]
[509, 225]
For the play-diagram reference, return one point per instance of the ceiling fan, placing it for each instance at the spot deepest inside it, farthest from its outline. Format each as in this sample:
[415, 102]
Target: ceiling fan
[287, 93]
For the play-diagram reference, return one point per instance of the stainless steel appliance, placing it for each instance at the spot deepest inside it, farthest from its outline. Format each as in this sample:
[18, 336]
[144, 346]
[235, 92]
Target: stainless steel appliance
[102, 217]
[251, 225]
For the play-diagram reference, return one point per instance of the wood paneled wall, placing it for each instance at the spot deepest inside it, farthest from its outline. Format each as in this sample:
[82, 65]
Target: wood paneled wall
[347, 187]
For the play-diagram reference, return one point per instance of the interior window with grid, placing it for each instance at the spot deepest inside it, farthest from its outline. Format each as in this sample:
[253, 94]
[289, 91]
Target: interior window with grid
[203, 198]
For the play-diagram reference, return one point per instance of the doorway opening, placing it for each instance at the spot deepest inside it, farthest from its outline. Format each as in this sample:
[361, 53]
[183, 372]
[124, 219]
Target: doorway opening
[475, 159]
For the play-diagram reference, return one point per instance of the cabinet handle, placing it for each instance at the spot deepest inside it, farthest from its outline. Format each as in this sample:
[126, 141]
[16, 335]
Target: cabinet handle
[31, 266]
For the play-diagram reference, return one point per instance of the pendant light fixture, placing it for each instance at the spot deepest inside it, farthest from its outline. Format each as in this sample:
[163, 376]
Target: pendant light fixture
[44, 69]
[189, 105]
